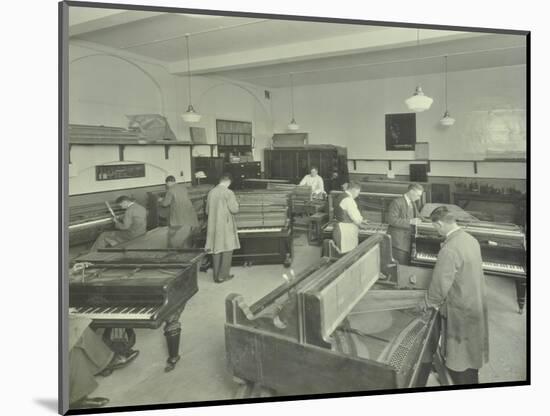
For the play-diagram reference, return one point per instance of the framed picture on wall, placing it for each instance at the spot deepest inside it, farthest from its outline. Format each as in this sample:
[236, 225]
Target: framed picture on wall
[400, 131]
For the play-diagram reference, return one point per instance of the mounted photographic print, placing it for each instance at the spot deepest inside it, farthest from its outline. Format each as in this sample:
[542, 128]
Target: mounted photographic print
[281, 265]
[400, 131]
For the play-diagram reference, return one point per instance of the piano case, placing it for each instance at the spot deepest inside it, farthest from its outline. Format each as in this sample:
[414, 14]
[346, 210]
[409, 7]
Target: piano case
[338, 326]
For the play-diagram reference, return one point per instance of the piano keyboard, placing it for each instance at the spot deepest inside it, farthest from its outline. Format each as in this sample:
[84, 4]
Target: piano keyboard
[489, 266]
[260, 230]
[101, 221]
[115, 312]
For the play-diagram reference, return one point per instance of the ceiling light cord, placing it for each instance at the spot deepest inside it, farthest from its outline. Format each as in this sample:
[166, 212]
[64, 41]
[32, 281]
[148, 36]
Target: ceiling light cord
[446, 105]
[188, 69]
[292, 95]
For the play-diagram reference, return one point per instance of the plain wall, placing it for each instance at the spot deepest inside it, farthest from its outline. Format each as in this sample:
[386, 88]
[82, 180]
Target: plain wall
[488, 105]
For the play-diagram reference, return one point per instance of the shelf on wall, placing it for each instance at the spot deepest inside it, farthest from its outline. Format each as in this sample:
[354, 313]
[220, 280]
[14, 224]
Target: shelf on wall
[428, 161]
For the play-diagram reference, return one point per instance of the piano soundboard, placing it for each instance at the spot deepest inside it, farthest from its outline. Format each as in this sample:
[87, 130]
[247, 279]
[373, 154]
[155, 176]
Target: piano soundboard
[135, 288]
[503, 250]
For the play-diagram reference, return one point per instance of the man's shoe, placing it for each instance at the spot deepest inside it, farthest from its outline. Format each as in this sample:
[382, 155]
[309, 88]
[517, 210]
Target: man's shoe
[121, 361]
[90, 402]
[231, 276]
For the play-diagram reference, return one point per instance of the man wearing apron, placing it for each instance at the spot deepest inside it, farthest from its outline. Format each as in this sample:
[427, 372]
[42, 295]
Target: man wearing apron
[349, 219]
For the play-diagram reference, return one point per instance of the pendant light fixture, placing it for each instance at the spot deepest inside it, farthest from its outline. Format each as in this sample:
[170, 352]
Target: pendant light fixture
[418, 102]
[292, 125]
[190, 116]
[447, 120]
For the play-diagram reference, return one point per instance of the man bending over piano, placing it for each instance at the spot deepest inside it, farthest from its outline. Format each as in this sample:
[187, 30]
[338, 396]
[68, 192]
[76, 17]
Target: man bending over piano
[458, 290]
[349, 219]
[315, 182]
[89, 357]
[221, 235]
[182, 220]
[132, 225]
[402, 212]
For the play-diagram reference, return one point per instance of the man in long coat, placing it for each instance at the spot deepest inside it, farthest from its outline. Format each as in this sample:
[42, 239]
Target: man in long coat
[221, 236]
[401, 213]
[458, 289]
[182, 220]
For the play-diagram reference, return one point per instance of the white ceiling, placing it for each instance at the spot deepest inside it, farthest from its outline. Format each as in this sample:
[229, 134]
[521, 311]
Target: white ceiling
[264, 52]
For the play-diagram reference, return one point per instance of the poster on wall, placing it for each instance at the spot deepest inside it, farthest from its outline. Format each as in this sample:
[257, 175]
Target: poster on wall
[400, 131]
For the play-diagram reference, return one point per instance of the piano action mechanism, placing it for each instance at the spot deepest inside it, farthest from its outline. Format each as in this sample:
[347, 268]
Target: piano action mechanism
[135, 288]
[338, 326]
[503, 250]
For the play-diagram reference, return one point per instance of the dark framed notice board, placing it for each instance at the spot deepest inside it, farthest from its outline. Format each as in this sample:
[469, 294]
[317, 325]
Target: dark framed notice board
[113, 172]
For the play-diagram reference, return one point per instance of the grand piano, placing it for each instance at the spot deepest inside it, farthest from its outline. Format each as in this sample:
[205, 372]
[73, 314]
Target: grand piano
[264, 228]
[125, 288]
[503, 249]
[344, 324]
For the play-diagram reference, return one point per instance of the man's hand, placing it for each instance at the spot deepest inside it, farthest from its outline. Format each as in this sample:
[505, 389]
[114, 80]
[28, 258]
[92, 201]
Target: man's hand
[415, 221]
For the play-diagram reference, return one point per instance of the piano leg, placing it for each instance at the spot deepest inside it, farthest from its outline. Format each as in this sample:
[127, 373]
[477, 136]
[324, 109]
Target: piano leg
[521, 284]
[172, 332]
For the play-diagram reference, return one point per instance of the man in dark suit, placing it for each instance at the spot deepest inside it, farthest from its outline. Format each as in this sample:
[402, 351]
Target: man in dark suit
[403, 212]
[457, 289]
[182, 220]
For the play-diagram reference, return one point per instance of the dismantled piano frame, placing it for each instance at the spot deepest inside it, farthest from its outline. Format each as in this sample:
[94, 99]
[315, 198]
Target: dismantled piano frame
[503, 250]
[317, 333]
[135, 288]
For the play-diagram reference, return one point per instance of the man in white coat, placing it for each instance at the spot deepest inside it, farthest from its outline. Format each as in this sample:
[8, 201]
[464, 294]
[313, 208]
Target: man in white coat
[221, 236]
[349, 219]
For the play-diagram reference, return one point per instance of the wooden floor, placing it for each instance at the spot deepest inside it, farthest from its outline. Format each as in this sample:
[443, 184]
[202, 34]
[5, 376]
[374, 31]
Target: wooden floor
[201, 374]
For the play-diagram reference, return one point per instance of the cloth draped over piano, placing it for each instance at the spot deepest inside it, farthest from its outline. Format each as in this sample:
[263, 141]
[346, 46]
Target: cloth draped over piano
[221, 234]
[458, 284]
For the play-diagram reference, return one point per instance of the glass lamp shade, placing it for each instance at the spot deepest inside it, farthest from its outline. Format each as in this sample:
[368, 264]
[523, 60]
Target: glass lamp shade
[191, 116]
[447, 120]
[293, 125]
[419, 102]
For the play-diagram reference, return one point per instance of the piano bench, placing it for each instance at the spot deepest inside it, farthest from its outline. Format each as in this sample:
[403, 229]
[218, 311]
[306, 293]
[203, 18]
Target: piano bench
[315, 222]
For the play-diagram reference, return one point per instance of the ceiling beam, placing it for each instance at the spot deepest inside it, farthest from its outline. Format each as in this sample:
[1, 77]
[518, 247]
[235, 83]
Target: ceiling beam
[340, 45]
[86, 20]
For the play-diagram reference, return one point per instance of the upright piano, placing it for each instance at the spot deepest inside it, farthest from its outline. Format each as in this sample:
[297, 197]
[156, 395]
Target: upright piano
[86, 222]
[364, 204]
[340, 325]
[134, 288]
[264, 227]
[503, 250]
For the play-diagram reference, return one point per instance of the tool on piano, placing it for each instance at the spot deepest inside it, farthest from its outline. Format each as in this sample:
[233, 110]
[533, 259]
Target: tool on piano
[503, 250]
[334, 328]
[110, 209]
[87, 221]
[135, 288]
